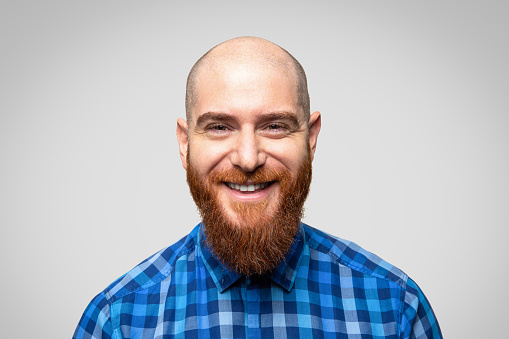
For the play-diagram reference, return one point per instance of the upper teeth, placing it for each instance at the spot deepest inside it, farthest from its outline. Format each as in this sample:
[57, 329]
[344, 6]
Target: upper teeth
[246, 188]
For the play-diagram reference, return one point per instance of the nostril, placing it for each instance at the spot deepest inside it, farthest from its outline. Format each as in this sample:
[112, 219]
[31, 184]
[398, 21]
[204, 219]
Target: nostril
[247, 154]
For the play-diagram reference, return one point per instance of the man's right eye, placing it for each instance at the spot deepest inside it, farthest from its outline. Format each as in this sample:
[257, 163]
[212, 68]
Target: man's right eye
[217, 128]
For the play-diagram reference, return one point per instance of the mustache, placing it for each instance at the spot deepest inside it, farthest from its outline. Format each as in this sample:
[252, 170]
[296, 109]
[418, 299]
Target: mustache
[260, 175]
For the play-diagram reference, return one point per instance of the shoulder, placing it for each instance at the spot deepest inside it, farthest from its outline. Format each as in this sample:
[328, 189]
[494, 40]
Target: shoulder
[152, 270]
[96, 321]
[416, 317]
[353, 256]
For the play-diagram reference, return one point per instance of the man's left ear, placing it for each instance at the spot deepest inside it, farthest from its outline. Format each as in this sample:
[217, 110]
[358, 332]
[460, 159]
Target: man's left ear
[315, 124]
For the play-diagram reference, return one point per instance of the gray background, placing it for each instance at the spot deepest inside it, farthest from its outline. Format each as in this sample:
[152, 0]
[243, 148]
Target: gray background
[412, 161]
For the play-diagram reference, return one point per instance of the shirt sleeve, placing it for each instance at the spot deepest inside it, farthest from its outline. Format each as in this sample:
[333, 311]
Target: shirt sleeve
[95, 321]
[418, 320]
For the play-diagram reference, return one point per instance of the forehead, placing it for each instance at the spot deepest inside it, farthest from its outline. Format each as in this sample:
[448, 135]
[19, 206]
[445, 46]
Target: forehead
[246, 88]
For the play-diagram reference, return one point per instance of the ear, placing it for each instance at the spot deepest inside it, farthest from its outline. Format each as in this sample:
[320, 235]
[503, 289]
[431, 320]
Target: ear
[315, 124]
[183, 140]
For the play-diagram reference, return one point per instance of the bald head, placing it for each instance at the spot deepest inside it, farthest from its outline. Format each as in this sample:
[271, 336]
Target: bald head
[254, 53]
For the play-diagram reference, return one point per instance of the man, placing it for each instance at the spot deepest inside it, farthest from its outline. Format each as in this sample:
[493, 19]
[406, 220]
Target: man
[251, 268]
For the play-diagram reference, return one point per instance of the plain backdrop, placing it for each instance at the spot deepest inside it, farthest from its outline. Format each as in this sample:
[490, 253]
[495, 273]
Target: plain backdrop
[412, 162]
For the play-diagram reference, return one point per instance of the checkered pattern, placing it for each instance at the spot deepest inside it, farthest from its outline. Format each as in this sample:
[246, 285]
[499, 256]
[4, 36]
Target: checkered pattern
[325, 288]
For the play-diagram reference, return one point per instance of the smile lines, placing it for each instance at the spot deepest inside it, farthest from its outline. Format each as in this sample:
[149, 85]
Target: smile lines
[247, 188]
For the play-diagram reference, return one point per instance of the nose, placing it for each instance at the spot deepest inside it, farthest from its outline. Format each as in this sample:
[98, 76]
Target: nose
[247, 154]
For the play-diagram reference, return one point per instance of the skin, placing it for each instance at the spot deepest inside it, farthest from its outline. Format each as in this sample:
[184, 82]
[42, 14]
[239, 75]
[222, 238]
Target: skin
[246, 115]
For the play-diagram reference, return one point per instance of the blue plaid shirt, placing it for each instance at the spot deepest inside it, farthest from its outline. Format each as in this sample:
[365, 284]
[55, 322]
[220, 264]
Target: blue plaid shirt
[325, 288]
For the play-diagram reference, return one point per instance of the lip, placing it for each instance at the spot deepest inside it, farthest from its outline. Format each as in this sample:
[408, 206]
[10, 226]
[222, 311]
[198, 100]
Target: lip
[246, 196]
[248, 187]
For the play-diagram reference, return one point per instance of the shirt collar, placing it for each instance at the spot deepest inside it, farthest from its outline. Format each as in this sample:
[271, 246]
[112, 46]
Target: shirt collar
[284, 274]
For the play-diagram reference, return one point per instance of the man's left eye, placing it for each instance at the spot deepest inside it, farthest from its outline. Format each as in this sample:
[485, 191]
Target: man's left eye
[276, 130]
[275, 127]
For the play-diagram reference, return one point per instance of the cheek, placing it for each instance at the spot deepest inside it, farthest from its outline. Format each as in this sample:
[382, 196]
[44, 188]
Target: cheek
[291, 154]
[206, 156]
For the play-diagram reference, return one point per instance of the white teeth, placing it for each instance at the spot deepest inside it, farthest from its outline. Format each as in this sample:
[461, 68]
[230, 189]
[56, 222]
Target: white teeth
[246, 188]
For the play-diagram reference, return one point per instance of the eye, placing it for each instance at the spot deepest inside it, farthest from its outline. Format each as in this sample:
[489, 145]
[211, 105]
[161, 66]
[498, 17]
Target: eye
[276, 129]
[274, 126]
[217, 128]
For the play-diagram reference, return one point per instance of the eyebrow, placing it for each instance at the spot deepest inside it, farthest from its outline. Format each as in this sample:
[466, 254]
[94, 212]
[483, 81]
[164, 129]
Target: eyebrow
[289, 116]
[212, 116]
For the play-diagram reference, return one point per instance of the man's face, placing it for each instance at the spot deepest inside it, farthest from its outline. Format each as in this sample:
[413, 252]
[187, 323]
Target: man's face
[246, 145]
[247, 118]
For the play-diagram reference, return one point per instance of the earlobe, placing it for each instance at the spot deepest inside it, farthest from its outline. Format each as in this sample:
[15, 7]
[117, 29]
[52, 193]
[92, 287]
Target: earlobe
[183, 140]
[315, 124]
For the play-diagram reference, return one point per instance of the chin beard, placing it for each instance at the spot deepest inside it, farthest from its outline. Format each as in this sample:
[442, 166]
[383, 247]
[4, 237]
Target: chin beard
[256, 241]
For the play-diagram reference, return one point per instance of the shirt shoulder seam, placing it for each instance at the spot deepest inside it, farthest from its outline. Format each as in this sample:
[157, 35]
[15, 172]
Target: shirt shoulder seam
[401, 281]
[185, 249]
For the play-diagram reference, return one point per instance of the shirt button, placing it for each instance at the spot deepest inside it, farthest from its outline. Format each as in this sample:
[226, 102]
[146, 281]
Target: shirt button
[222, 281]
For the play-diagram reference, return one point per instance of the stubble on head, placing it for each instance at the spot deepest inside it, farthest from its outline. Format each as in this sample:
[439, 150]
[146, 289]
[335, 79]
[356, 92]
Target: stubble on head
[278, 58]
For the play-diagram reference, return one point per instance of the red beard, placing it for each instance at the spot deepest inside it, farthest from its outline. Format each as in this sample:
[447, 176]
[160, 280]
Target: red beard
[256, 242]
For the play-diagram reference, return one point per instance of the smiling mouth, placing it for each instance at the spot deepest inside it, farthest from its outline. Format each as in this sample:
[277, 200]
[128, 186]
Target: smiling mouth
[248, 188]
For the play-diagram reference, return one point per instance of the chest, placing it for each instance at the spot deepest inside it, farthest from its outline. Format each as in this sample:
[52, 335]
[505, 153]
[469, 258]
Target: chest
[317, 306]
